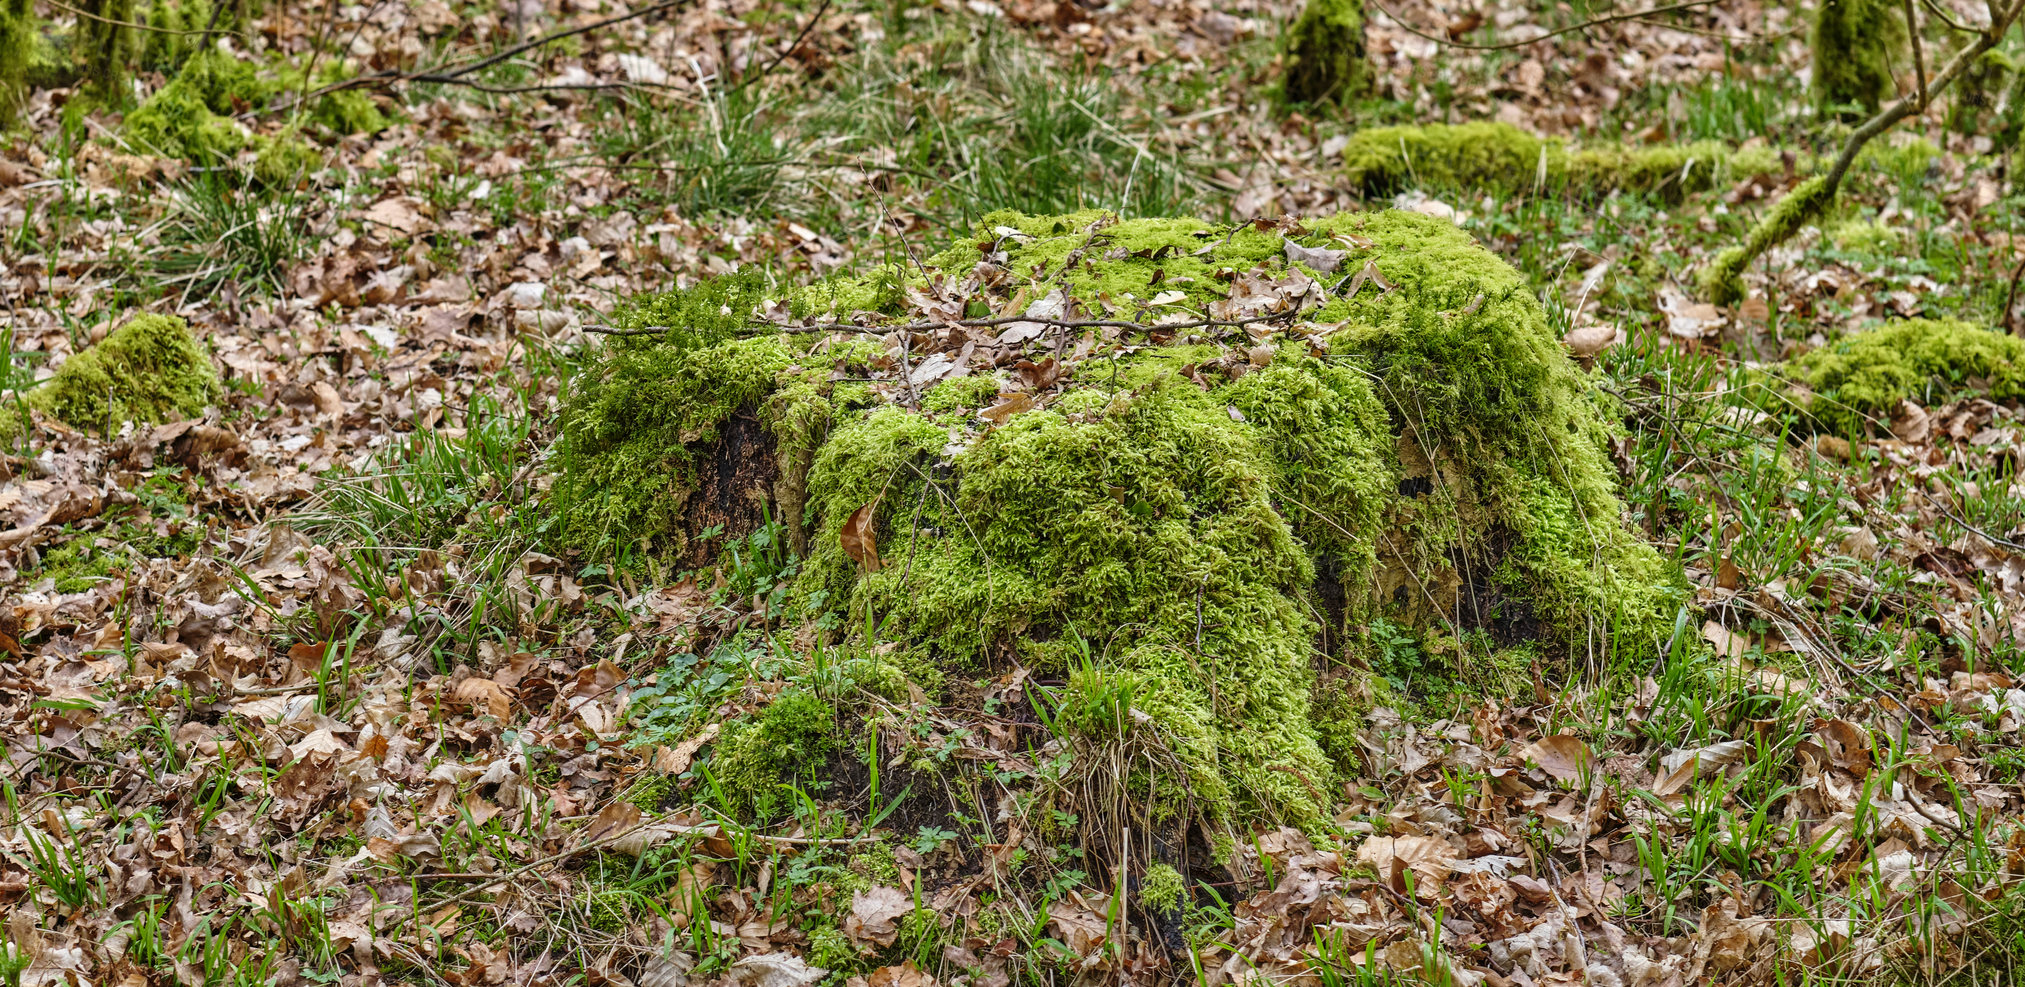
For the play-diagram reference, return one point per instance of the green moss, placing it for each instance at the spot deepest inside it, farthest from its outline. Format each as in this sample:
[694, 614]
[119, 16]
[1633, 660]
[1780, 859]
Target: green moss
[1869, 373]
[282, 159]
[107, 47]
[20, 34]
[1162, 890]
[190, 117]
[1854, 45]
[1722, 281]
[76, 567]
[972, 391]
[349, 111]
[178, 27]
[1865, 237]
[149, 370]
[1501, 158]
[1325, 60]
[1172, 535]
[787, 744]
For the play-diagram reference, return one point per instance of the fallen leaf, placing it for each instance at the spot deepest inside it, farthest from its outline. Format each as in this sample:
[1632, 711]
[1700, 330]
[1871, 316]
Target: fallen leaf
[858, 539]
[1008, 405]
[1563, 757]
[1321, 259]
[1432, 859]
[775, 970]
[486, 694]
[875, 915]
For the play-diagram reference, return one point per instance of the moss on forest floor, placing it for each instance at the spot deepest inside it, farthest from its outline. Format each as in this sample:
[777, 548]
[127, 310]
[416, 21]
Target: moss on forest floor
[1200, 518]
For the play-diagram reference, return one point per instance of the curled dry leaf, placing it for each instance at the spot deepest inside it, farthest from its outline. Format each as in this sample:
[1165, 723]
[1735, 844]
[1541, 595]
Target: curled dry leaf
[1563, 757]
[858, 539]
[1680, 768]
[1586, 342]
[1008, 405]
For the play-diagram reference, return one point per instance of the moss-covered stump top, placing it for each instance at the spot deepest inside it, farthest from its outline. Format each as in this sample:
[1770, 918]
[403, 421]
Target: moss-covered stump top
[1210, 512]
[149, 370]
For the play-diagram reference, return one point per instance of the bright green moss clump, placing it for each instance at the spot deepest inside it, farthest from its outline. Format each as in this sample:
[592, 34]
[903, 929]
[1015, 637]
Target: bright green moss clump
[789, 742]
[1854, 43]
[149, 370]
[1864, 376]
[1325, 59]
[191, 116]
[1191, 518]
[1501, 158]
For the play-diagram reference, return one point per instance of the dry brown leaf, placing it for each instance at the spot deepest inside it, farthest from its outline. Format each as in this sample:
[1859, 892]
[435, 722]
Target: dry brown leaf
[485, 694]
[875, 915]
[1008, 405]
[675, 760]
[1727, 643]
[1563, 757]
[904, 975]
[859, 541]
[1431, 858]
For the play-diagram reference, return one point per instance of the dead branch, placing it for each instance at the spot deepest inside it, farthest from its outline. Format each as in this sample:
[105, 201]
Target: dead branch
[974, 324]
[1585, 25]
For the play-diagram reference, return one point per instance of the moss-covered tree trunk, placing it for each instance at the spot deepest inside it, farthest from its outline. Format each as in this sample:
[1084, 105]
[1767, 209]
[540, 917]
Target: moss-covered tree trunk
[1325, 55]
[17, 49]
[1856, 44]
[107, 45]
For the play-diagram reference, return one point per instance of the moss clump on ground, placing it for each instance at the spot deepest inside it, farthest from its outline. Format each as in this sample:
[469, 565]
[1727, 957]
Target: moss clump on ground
[148, 371]
[1854, 43]
[1501, 158]
[191, 116]
[788, 743]
[1325, 60]
[1191, 516]
[1864, 376]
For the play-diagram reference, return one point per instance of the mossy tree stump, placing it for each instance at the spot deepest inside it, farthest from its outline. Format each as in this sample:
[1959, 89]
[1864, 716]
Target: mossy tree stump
[1205, 518]
[1854, 43]
[1325, 54]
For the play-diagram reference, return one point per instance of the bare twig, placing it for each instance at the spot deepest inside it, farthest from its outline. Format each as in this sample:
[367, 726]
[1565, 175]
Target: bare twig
[1935, 9]
[1585, 25]
[2011, 299]
[784, 52]
[975, 324]
[1912, 25]
[454, 74]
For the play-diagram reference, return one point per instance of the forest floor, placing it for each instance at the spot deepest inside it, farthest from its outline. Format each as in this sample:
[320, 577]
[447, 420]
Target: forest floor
[305, 690]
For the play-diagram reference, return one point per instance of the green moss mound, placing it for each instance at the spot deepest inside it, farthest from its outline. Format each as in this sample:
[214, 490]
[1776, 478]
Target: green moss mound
[1325, 60]
[148, 371]
[1501, 158]
[760, 759]
[1865, 375]
[1194, 520]
[191, 116]
[1854, 44]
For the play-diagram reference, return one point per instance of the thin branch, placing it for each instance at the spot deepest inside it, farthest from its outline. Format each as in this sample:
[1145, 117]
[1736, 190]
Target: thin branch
[102, 19]
[1935, 9]
[1585, 25]
[976, 324]
[1912, 26]
[785, 52]
[452, 74]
